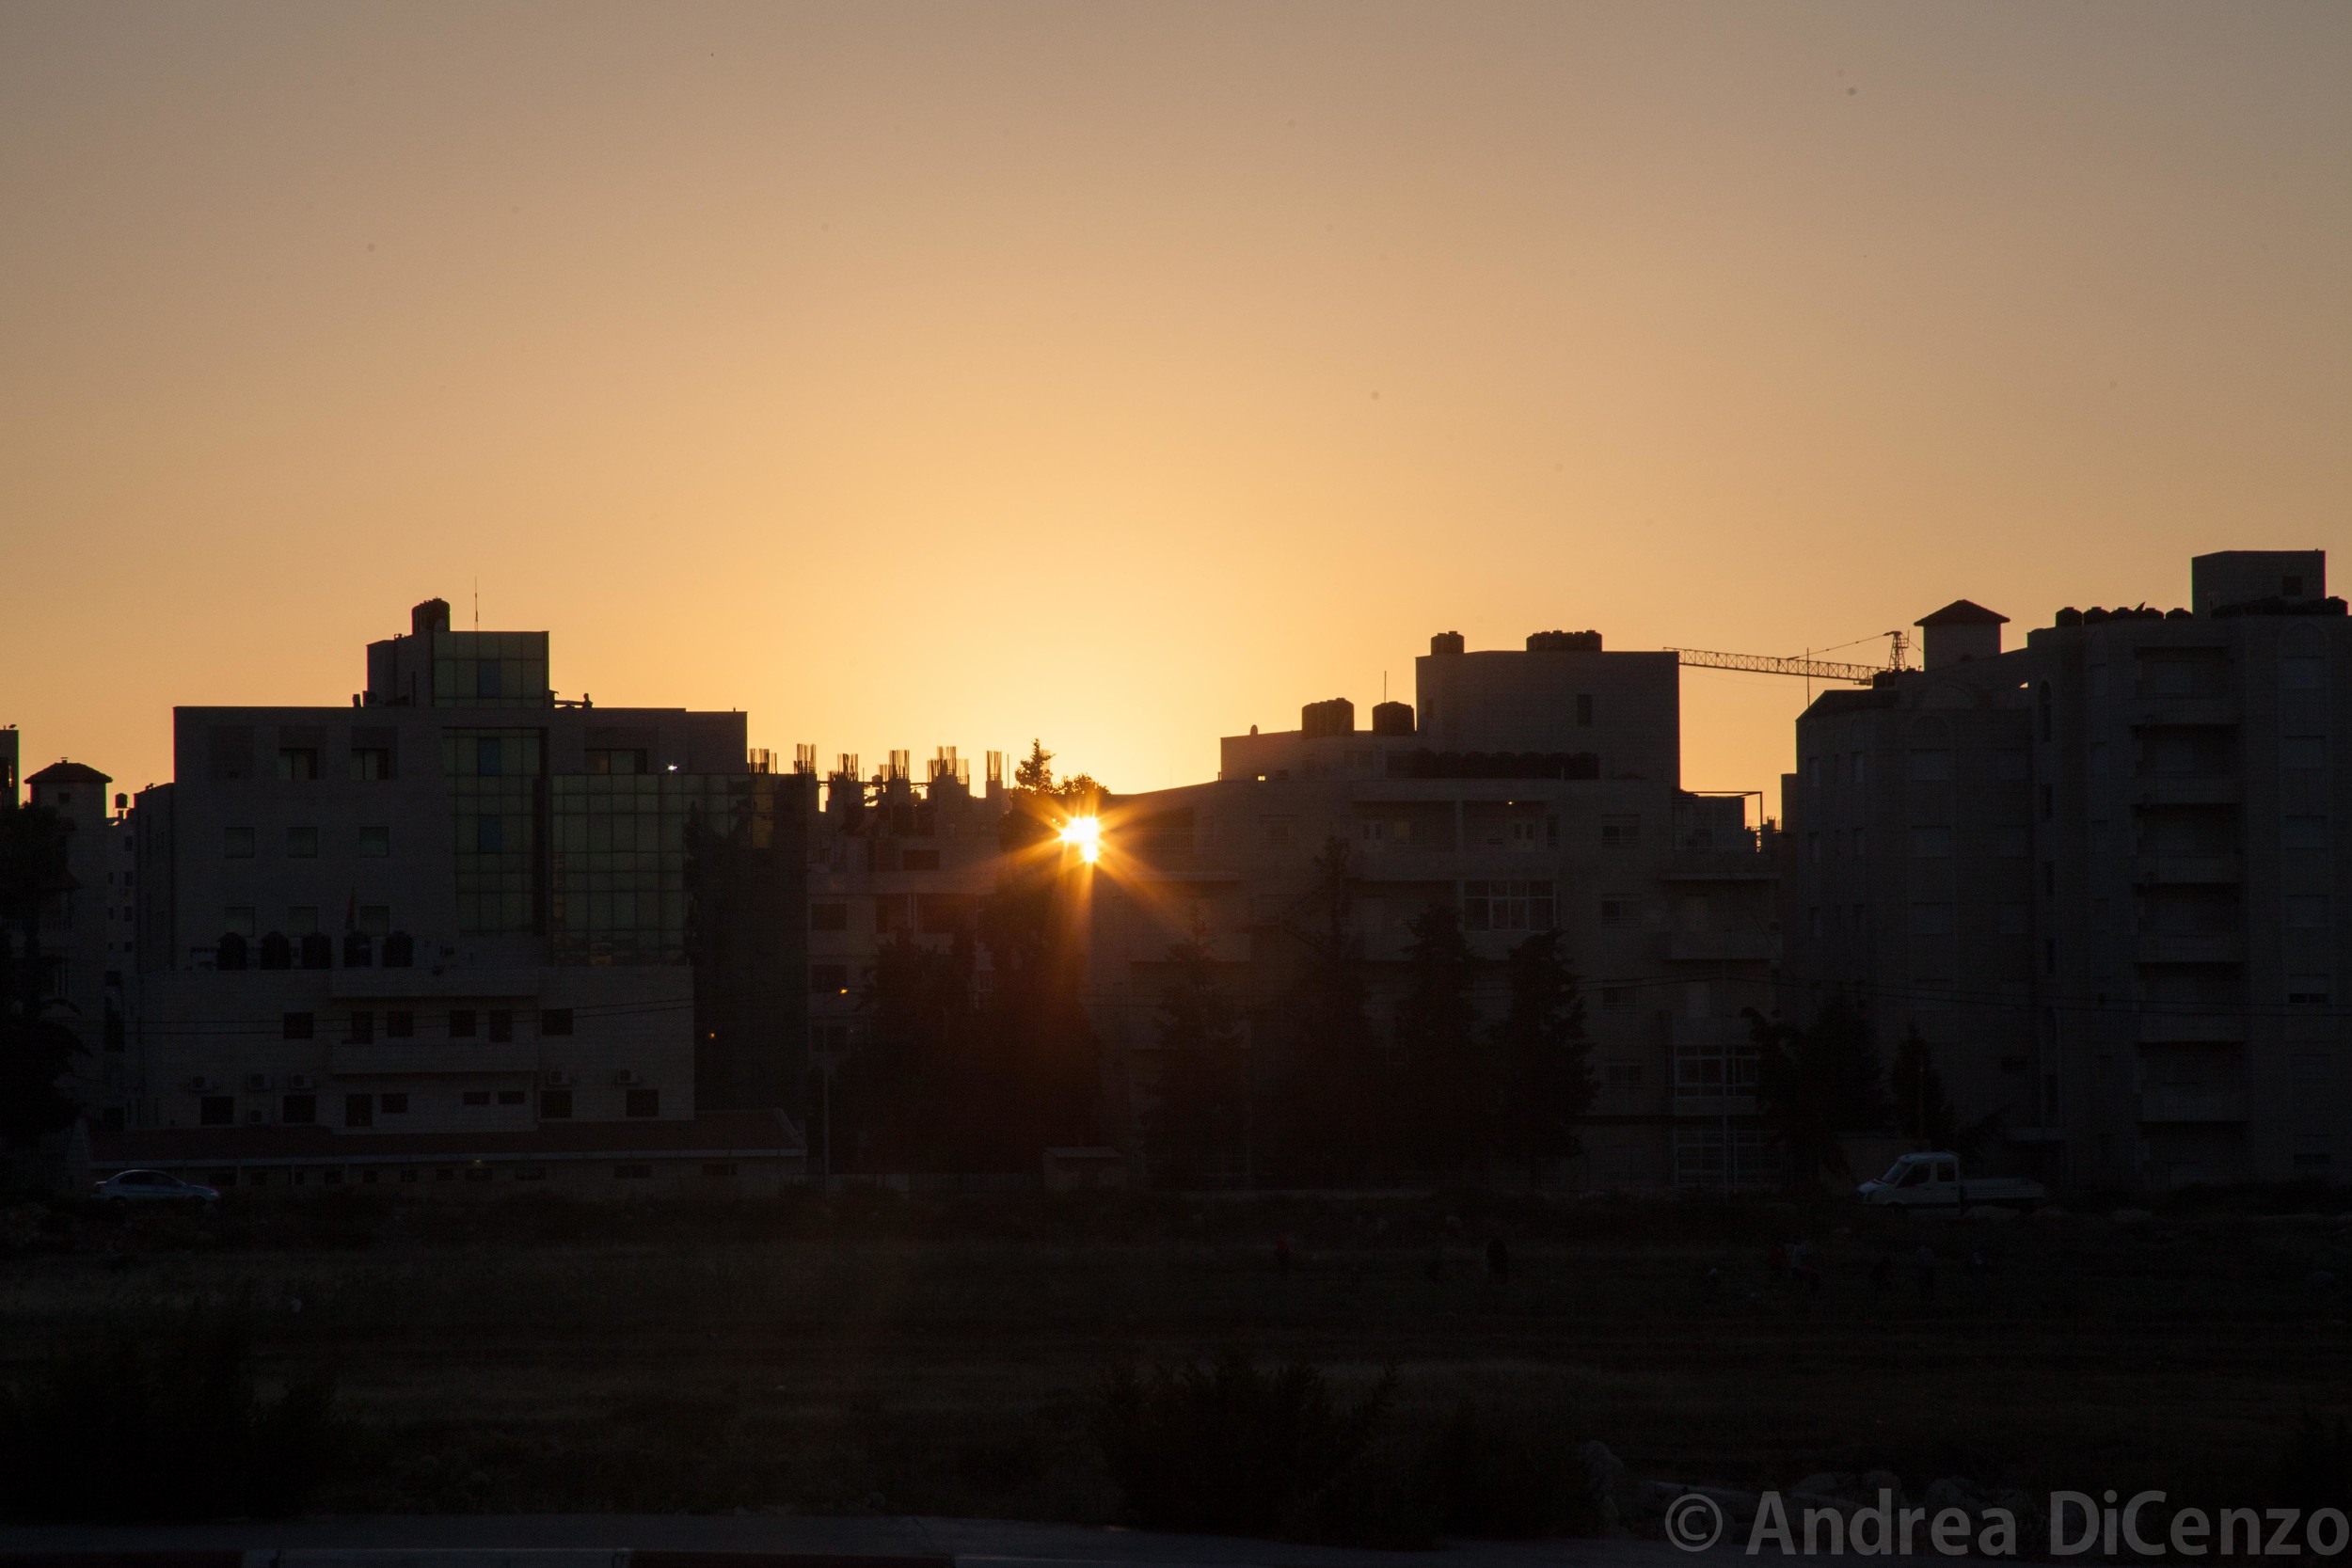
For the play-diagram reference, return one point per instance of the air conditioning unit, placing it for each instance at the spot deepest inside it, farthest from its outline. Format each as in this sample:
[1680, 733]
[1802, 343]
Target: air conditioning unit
[624, 1079]
[203, 1086]
[257, 1081]
[300, 1081]
[257, 1115]
[558, 1078]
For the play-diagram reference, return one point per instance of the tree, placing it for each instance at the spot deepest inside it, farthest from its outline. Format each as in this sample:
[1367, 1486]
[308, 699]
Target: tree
[1817, 1082]
[36, 1048]
[1328, 1094]
[1446, 1110]
[906, 1092]
[1202, 1107]
[1543, 1057]
[1923, 1111]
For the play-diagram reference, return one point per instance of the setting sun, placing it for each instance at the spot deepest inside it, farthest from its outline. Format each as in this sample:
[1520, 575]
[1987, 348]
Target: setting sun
[1083, 834]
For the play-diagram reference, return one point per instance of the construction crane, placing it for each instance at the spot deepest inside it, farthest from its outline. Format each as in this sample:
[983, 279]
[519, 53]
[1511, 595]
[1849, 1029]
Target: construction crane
[1812, 668]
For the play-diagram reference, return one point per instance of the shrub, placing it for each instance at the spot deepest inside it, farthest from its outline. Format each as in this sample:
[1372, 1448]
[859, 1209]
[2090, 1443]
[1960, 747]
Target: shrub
[169, 1425]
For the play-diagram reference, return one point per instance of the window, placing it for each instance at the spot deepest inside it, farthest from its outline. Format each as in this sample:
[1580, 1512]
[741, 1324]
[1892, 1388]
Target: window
[476, 1096]
[2307, 990]
[2009, 764]
[1930, 920]
[1861, 769]
[555, 1104]
[616, 760]
[489, 835]
[2303, 832]
[302, 920]
[298, 1026]
[1813, 847]
[299, 1110]
[632, 1173]
[2313, 1152]
[375, 843]
[1583, 712]
[217, 1110]
[1930, 764]
[1813, 922]
[919, 860]
[1615, 999]
[298, 762]
[1512, 906]
[362, 1031]
[392, 1104]
[376, 920]
[2012, 843]
[1620, 832]
[644, 1102]
[236, 843]
[358, 1110]
[461, 1023]
[530, 1173]
[2010, 920]
[2307, 912]
[2099, 760]
[1625, 1075]
[501, 1023]
[829, 917]
[510, 1097]
[1527, 835]
[555, 1020]
[1616, 911]
[237, 920]
[2302, 751]
[400, 1024]
[1931, 843]
[829, 979]
[719, 1167]
[371, 762]
[2300, 673]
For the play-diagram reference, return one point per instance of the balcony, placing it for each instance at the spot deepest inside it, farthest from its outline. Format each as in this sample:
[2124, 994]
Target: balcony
[1722, 946]
[2190, 947]
[1717, 865]
[2178, 869]
[431, 1057]
[2216, 1103]
[2163, 1025]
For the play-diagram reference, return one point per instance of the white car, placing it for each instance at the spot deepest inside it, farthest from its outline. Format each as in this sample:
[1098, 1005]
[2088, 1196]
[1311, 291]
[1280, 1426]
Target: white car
[1932, 1180]
[125, 1188]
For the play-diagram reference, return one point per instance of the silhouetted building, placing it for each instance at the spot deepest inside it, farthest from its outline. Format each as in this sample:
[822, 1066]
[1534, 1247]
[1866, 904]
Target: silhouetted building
[2101, 875]
[1540, 791]
[462, 906]
[85, 936]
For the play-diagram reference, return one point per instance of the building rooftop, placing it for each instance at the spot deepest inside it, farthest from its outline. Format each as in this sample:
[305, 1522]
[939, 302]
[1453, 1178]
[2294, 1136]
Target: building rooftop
[1964, 613]
[70, 772]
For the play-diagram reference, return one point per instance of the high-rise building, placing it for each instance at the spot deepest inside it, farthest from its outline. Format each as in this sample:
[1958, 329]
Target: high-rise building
[2102, 876]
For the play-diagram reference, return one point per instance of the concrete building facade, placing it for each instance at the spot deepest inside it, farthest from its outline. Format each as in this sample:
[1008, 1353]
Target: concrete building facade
[2104, 874]
[1539, 789]
[460, 906]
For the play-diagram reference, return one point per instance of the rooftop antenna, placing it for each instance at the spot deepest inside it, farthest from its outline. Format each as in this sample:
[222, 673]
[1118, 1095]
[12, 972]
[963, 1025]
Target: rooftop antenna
[477, 604]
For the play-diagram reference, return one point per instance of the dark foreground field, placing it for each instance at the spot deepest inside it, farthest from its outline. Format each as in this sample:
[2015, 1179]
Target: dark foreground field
[880, 1353]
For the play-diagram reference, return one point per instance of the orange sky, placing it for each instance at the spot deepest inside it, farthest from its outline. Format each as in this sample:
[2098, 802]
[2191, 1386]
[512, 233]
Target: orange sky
[1126, 375]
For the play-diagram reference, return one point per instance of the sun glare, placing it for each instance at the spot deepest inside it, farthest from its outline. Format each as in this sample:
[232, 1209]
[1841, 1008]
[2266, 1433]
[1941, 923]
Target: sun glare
[1083, 834]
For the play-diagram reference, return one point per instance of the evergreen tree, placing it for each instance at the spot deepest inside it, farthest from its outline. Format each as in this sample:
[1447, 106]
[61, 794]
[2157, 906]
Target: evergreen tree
[1446, 1111]
[1202, 1112]
[1329, 1085]
[1924, 1111]
[36, 1048]
[1543, 1057]
[1816, 1082]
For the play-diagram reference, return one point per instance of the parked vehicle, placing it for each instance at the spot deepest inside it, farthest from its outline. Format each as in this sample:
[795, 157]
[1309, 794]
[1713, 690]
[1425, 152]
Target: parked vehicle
[124, 1188]
[1934, 1180]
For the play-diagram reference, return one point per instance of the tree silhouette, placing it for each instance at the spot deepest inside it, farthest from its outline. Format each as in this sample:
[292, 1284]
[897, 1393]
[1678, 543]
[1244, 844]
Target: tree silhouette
[1329, 1087]
[36, 1048]
[1202, 1112]
[1543, 1057]
[1813, 1084]
[1446, 1111]
[1923, 1111]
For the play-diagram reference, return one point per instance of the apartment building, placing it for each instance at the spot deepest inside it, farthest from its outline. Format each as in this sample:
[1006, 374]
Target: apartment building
[2100, 875]
[1538, 789]
[86, 933]
[460, 914]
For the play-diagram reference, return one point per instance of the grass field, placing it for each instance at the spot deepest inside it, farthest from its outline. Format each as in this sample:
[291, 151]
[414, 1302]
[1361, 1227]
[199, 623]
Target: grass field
[876, 1353]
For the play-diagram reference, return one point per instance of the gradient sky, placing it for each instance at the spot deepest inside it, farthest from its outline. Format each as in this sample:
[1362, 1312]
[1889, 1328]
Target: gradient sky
[1127, 375]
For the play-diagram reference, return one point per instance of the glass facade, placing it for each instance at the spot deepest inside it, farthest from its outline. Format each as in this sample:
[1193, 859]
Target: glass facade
[620, 851]
[490, 669]
[495, 777]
